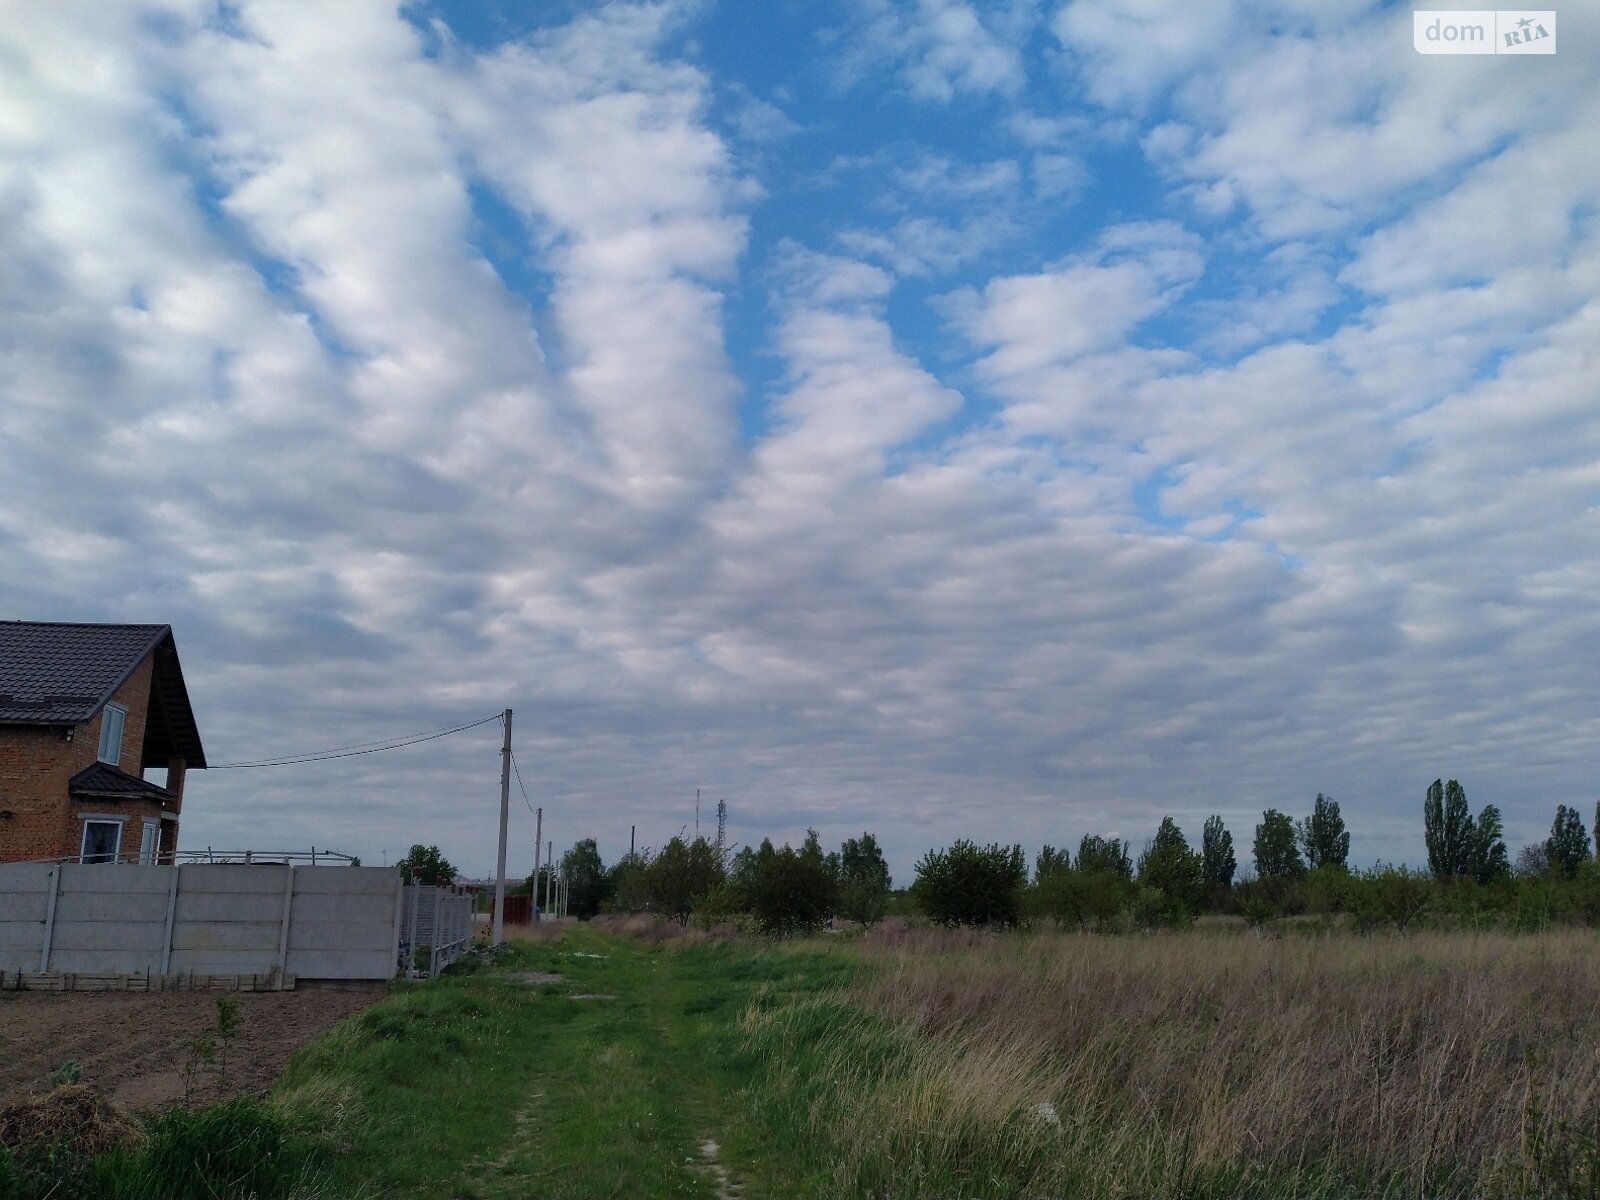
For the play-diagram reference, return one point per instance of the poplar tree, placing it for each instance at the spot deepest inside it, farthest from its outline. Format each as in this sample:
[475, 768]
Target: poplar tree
[1489, 858]
[1447, 828]
[1323, 835]
[1216, 853]
[1568, 844]
[1050, 862]
[1096, 853]
[1277, 855]
[1169, 864]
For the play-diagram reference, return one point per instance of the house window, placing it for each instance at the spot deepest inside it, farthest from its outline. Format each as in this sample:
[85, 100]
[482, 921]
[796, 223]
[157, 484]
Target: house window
[111, 721]
[150, 846]
[102, 841]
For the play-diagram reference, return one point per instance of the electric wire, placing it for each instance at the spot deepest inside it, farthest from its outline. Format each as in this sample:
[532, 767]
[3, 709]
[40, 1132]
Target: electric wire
[518, 772]
[359, 748]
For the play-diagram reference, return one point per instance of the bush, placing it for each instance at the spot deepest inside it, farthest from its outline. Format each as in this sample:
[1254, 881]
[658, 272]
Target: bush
[247, 1147]
[681, 876]
[1074, 898]
[790, 893]
[863, 899]
[972, 885]
[1398, 895]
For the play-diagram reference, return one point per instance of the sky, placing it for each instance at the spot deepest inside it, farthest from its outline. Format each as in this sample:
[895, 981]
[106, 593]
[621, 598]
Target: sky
[1008, 421]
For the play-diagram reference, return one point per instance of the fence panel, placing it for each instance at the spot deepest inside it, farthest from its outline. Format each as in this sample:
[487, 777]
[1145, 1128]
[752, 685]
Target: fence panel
[437, 920]
[24, 908]
[199, 918]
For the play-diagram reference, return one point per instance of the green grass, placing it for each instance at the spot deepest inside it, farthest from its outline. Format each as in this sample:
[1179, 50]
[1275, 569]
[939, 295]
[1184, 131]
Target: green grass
[825, 1071]
[245, 1148]
[481, 1087]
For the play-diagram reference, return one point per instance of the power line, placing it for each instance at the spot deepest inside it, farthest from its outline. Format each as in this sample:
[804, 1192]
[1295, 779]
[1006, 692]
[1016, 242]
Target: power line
[518, 772]
[358, 748]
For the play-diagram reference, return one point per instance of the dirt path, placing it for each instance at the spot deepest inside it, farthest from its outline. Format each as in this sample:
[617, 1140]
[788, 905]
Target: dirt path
[132, 1045]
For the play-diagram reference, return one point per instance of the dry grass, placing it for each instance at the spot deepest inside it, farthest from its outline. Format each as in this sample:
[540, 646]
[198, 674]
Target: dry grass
[544, 931]
[71, 1117]
[1427, 1065]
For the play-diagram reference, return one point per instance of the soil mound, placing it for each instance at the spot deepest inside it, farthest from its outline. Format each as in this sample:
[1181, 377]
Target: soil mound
[72, 1116]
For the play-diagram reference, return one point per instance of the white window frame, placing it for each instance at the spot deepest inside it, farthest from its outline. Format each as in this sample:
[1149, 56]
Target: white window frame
[150, 843]
[111, 747]
[100, 819]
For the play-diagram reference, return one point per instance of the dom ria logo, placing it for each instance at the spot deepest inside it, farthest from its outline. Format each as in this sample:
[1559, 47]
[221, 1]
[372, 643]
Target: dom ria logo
[1484, 31]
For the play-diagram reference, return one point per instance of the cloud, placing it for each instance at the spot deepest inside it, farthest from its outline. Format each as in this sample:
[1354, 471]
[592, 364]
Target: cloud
[411, 375]
[941, 48]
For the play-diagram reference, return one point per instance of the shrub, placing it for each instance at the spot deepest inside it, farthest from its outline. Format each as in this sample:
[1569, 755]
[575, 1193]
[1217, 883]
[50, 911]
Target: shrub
[863, 899]
[1074, 898]
[1175, 871]
[1399, 895]
[682, 875]
[972, 885]
[790, 893]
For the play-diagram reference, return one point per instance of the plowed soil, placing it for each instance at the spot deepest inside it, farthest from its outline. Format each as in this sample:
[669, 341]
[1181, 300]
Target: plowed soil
[133, 1046]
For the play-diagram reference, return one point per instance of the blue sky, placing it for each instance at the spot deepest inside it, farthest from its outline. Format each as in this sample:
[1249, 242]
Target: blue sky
[1011, 421]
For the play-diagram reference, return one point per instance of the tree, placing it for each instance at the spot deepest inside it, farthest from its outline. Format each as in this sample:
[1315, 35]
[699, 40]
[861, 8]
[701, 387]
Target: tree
[1489, 861]
[681, 875]
[1532, 861]
[791, 892]
[860, 858]
[424, 864]
[1568, 844]
[1049, 862]
[1277, 856]
[1323, 835]
[1105, 854]
[1399, 895]
[863, 893]
[971, 885]
[588, 885]
[629, 882]
[1171, 867]
[1073, 897]
[1447, 829]
[1216, 854]
[742, 866]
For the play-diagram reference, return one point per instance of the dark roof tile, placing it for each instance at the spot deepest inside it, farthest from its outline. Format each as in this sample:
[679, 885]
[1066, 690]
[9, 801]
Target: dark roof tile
[107, 782]
[54, 673]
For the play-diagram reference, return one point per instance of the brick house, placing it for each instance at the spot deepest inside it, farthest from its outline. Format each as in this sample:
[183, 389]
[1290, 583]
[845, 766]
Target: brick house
[85, 711]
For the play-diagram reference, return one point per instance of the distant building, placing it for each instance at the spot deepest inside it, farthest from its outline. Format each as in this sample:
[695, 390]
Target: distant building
[85, 710]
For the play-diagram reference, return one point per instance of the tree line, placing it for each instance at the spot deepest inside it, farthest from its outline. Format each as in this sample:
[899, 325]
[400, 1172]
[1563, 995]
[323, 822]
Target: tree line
[780, 890]
[1298, 866]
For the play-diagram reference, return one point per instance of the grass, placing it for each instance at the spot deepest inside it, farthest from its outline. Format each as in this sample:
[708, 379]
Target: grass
[912, 1064]
[486, 1086]
[246, 1148]
[1222, 1063]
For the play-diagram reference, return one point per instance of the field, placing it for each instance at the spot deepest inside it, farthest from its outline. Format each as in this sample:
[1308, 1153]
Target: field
[627, 1060]
[134, 1044]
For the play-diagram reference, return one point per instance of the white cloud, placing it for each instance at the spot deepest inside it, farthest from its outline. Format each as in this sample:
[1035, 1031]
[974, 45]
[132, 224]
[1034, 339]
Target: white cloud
[1081, 306]
[1305, 502]
[941, 48]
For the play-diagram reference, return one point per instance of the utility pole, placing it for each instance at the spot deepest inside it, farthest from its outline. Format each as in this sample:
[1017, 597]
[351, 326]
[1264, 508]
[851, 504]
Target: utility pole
[538, 845]
[633, 832]
[549, 873]
[697, 814]
[505, 817]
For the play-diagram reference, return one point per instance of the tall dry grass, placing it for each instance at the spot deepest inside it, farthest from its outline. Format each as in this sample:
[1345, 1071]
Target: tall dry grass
[1431, 1065]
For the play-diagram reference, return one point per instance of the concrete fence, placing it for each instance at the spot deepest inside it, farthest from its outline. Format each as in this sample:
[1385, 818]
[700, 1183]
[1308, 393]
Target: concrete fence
[200, 919]
[437, 920]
